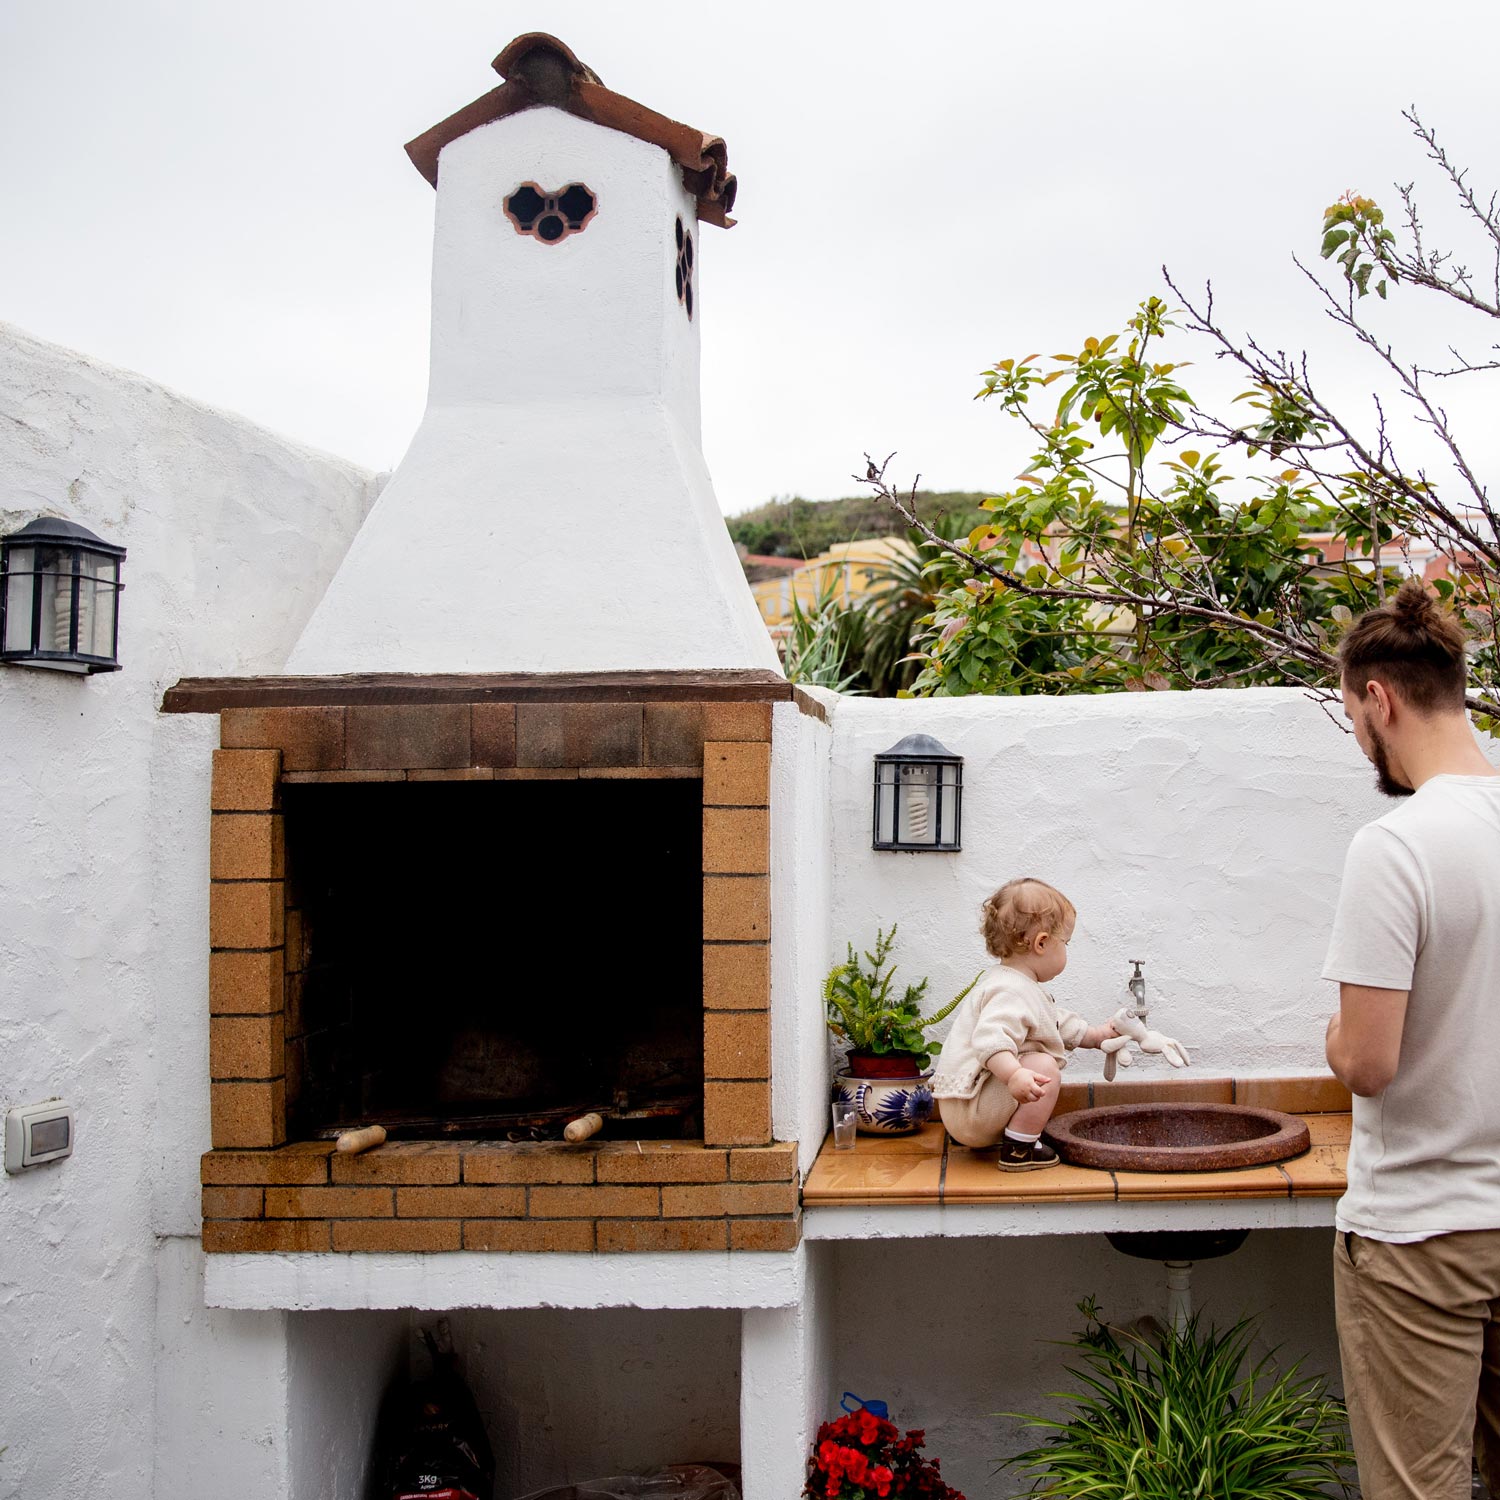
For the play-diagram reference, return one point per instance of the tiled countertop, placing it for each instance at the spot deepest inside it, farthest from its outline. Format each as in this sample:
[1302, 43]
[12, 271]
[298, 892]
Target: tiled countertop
[928, 1169]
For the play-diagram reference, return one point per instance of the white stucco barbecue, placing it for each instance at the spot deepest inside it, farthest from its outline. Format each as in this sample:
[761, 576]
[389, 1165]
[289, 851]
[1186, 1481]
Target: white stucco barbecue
[555, 514]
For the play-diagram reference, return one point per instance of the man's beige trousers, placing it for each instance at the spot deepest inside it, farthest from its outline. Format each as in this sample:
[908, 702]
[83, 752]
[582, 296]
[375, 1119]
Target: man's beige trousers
[1420, 1346]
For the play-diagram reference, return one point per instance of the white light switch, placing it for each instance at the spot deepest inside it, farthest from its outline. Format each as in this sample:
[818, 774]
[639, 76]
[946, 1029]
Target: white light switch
[38, 1133]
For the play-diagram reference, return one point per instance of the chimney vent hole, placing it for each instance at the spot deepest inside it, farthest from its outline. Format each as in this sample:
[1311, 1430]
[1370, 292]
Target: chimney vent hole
[684, 270]
[551, 217]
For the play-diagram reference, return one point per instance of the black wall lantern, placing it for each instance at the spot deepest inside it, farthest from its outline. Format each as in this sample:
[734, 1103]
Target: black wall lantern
[59, 593]
[919, 787]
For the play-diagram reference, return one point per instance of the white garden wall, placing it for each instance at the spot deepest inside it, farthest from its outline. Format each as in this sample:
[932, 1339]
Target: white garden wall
[1202, 832]
[232, 534]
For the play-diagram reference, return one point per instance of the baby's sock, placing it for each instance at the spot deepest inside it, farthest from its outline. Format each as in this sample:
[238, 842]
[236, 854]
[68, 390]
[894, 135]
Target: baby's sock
[1025, 1140]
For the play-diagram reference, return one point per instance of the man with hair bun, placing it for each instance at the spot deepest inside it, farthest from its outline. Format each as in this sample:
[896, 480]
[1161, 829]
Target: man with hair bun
[1416, 955]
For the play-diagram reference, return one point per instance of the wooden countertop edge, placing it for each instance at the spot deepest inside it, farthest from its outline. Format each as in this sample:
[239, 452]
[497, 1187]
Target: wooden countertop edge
[1019, 1196]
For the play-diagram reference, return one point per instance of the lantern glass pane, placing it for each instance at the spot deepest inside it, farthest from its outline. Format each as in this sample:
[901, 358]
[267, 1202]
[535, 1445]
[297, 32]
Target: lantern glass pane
[55, 580]
[885, 803]
[96, 604]
[948, 832]
[919, 809]
[96, 618]
[20, 586]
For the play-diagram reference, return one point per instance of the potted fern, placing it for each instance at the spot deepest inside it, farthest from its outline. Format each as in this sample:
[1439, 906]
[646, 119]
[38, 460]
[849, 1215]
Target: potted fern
[884, 1073]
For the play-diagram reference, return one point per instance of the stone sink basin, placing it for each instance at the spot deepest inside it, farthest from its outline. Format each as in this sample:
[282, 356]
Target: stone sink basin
[1176, 1137]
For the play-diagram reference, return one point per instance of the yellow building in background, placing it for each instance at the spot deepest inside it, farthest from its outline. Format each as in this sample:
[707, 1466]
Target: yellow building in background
[845, 574]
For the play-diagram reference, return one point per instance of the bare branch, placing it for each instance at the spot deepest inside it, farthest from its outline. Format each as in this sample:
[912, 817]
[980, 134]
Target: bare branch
[1278, 370]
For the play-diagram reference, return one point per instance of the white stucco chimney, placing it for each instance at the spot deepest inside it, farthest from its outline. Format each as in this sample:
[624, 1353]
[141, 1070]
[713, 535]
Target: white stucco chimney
[554, 512]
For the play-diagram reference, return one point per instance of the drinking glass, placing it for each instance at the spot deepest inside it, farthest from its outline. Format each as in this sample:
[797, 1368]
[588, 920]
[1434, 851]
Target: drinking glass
[844, 1117]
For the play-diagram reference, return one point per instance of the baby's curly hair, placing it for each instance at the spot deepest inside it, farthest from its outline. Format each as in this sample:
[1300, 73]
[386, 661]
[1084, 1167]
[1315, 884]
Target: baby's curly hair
[1019, 910]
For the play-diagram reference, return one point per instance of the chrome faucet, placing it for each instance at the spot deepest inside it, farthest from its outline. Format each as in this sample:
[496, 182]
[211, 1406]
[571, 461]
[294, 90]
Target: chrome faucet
[1136, 984]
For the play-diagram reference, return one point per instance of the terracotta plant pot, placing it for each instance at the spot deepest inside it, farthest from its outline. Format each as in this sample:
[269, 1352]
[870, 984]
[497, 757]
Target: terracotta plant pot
[884, 1065]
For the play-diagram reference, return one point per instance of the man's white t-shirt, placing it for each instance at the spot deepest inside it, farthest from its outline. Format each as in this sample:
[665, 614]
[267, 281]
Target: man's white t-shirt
[1419, 910]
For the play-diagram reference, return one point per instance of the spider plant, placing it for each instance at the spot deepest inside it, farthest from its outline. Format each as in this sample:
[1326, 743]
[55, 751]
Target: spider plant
[1187, 1419]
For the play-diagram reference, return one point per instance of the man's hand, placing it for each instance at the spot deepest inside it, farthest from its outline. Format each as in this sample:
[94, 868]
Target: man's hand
[1026, 1086]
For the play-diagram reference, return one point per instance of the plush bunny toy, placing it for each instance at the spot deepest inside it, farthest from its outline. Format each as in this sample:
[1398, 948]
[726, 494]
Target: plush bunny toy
[1133, 1029]
[1117, 1054]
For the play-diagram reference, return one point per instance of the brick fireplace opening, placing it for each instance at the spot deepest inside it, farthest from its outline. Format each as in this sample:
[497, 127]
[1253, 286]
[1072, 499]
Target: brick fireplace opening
[428, 897]
[493, 959]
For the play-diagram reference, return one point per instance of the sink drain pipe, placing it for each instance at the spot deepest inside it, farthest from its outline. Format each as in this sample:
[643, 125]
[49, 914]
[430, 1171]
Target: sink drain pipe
[1177, 1251]
[1179, 1294]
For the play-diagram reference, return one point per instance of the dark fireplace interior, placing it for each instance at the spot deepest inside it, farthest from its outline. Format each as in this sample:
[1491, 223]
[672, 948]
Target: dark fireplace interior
[494, 958]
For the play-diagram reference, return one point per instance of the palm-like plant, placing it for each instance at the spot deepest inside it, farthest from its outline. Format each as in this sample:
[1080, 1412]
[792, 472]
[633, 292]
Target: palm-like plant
[897, 611]
[1188, 1418]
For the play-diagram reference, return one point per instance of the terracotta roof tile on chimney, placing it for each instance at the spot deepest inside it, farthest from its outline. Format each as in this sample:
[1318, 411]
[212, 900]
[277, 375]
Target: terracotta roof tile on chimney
[540, 70]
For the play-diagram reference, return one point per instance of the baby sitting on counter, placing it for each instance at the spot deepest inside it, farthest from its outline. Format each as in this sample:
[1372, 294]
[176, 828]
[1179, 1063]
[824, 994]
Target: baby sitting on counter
[1002, 1060]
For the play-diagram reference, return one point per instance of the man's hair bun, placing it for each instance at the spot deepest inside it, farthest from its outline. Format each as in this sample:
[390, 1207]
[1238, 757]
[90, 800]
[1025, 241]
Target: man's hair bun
[1414, 645]
[1415, 608]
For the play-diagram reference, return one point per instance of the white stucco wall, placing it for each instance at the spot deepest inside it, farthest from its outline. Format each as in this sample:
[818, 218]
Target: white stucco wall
[232, 534]
[1202, 832]
[801, 913]
[786, 1375]
[554, 512]
[219, 1389]
[339, 1367]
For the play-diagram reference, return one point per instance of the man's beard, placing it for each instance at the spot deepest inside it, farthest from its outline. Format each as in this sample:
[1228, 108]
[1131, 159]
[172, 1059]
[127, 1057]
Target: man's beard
[1384, 779]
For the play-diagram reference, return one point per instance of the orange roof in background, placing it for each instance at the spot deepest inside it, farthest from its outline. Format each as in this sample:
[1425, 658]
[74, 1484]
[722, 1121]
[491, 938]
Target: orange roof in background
[1422, 555]
[540, 70]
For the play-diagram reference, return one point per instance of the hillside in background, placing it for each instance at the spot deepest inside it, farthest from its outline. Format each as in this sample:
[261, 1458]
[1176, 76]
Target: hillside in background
[804, 528]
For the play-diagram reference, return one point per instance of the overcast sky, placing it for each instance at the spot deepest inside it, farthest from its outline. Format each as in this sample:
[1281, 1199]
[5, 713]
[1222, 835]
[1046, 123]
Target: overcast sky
[216, 195]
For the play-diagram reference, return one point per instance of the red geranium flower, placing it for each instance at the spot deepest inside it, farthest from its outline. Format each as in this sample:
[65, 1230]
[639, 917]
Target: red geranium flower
[861, 1453]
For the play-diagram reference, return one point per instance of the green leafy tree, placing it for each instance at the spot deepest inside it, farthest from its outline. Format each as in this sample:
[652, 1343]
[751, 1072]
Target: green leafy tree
[867, 646]
[1151, 543]
[1140, 566]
